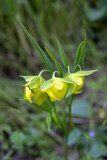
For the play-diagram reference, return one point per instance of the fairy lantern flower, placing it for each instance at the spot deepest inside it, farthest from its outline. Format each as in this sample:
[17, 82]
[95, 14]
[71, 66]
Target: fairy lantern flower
[32, 89]
[79, 78]
[56, 88]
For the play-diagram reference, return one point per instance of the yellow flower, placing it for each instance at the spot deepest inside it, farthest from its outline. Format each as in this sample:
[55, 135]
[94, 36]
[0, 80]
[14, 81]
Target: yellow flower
[32, 89]
[39, 97]
[56, 88]
[79, 78]
[28, 94]
[80, 82]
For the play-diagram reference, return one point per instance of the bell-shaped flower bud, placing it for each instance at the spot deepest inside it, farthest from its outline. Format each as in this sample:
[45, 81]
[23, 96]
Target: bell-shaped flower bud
[56, 88]
[32, 89]
[77, 77]
[28, 94]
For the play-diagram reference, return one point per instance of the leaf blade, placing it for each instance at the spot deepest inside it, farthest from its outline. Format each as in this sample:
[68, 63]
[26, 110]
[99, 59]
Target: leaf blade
[41, 52]
[77, 57]
[82, 57]
[63, 56]
[59, 68]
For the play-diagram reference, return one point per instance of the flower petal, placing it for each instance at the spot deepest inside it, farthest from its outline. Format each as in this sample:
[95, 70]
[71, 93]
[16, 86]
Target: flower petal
[46, 85]
[39, 97]
[77, 92]
[58, 84]
[28, 94]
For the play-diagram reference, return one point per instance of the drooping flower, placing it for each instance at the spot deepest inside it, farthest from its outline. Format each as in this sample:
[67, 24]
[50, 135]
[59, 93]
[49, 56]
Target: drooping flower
[79, 78]
[56, 88]
[28, 94]
[32, 89]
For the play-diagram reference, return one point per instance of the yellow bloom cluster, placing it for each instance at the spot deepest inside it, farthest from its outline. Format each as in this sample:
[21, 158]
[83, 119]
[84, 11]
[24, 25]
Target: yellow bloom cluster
[56, 88]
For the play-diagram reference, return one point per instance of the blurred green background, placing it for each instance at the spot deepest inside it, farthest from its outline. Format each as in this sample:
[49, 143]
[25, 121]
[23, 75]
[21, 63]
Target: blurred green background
[23, 132]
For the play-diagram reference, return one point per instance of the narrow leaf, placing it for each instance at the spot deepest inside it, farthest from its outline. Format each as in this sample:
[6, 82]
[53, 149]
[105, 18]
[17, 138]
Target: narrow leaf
[41, 52]
[81, 60]
[59, 68]
[49, 121]
[56, 119]
[77, 57]
[43, 108]
[63, 56]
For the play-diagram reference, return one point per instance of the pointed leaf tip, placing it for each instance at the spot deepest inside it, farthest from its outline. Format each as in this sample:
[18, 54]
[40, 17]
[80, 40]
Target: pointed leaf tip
[59, 68]
[82, 57]
[40, 51]
[63, 56]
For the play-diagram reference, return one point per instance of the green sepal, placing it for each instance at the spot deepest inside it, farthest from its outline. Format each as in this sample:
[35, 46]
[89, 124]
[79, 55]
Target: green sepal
[28, 78]
[47, 84]
[68, 80]
[41, 52]
[77, 57]
[63, 56]
[34, 83]
[49, 121]
[71, 89]
[84, 73]
[59, 68]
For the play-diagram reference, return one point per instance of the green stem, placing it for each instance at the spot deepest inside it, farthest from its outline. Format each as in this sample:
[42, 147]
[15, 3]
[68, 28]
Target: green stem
[69, 125]
[70, 116]
[73, 127]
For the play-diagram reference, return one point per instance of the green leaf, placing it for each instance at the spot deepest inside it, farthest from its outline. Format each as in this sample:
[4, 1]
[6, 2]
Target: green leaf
[72, 138]
[42, 107]
[63, 56]
[17, 137]
[59, 68]
[41, 52]
[81, 108]
[47, 84]
[71, 89]
[56, 119]
[28, 78]
[49, 121]
[98, 150]
[81, 60]
[84, 73]
[77, 57]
